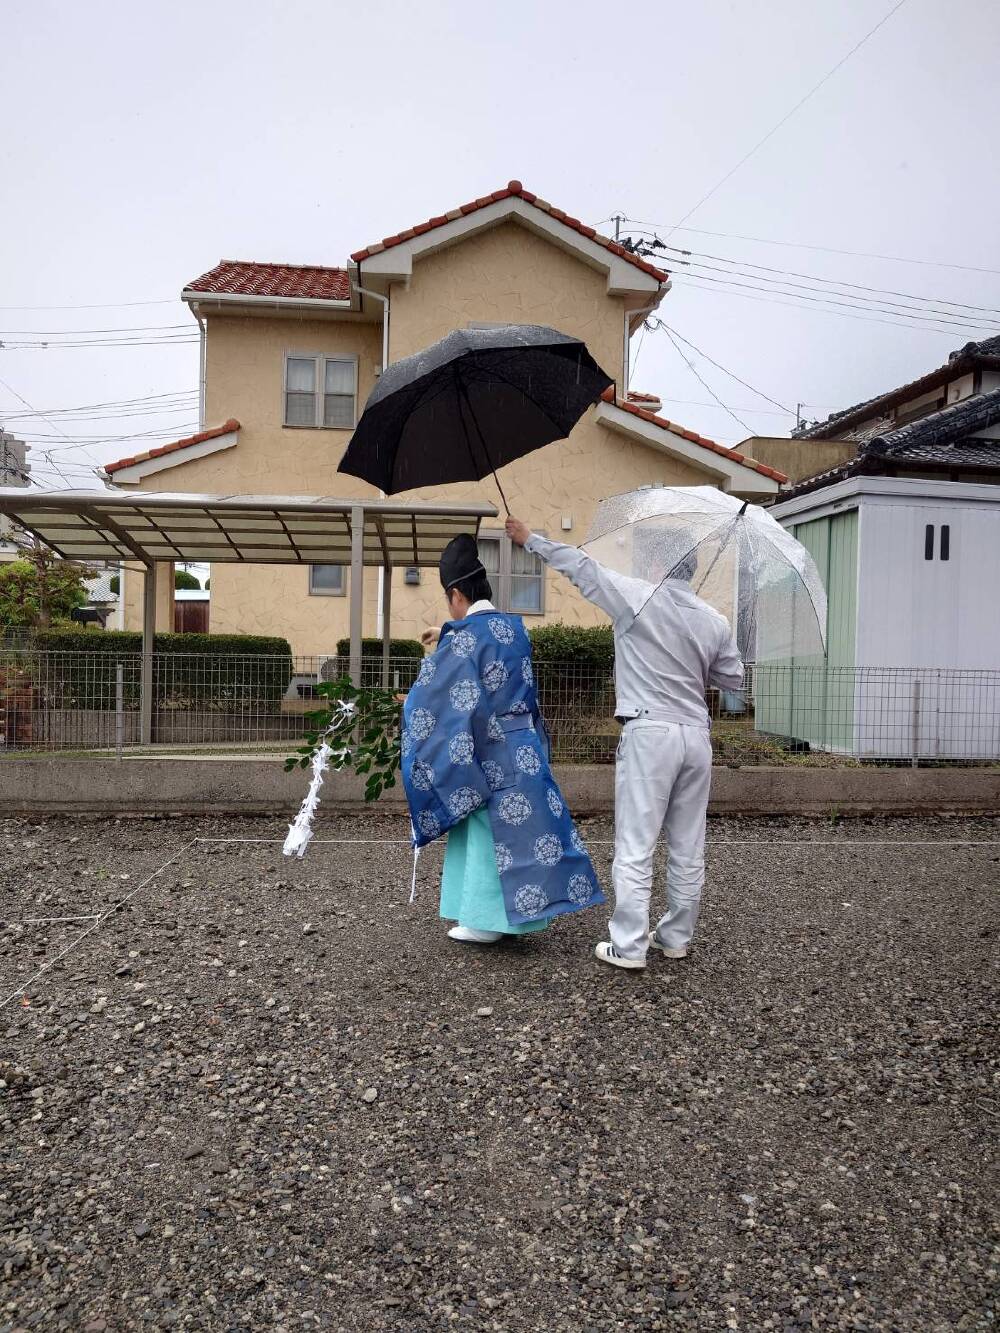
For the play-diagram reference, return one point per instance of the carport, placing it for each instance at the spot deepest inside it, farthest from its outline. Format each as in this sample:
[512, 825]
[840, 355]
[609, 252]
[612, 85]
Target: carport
[151, 528]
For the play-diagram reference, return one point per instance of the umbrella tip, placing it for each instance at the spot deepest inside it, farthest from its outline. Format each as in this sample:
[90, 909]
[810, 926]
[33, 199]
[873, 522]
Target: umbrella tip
[743, 510]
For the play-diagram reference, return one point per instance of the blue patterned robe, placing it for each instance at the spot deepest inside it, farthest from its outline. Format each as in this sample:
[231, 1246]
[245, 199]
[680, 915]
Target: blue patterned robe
[469, 740]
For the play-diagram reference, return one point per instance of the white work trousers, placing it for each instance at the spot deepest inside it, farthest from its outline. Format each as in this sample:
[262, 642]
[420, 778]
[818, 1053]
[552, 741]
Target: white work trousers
[662, 776]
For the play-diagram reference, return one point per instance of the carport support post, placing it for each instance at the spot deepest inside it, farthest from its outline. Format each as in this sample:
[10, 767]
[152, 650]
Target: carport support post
[148, 636]
[386, 608]
[357, 588]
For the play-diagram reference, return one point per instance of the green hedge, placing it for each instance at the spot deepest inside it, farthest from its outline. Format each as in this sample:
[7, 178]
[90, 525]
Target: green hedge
[373, 648]
[213, 672]
[573, 666]
[594, 647]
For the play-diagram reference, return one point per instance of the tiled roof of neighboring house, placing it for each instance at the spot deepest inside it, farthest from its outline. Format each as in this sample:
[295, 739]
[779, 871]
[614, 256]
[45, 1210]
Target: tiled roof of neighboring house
[98, 589]
[693, 437]
[972, 355]
[309, 282]
[634, 396]
[514, 190]
[213, 434]
[942, 440]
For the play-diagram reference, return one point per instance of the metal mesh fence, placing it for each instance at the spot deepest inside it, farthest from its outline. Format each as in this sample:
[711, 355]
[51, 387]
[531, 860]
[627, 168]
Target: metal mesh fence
[784, 715]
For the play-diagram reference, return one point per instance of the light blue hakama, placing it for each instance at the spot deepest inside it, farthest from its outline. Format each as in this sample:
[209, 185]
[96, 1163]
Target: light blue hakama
[470, 883]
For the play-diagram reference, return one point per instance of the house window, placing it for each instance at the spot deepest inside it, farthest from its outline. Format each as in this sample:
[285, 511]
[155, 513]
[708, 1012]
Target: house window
[326, 581]
[517, 576]
[321, 391]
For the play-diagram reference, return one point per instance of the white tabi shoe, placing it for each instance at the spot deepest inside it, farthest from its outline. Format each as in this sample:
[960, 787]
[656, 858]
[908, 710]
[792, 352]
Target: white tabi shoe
[607, 953]
[466, 935]
[654, 943]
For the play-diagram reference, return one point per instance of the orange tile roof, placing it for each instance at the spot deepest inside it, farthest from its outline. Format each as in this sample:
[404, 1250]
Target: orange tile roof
[514, 190]
[238, 277]
[213, 434]
[694, 438]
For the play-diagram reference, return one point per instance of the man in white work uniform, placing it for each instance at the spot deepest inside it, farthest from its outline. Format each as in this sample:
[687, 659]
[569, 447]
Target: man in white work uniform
[670, 647]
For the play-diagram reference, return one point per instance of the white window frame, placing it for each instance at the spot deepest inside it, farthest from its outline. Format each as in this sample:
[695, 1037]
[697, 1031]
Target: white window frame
[319, 393]
[329, 592]
[502, 593]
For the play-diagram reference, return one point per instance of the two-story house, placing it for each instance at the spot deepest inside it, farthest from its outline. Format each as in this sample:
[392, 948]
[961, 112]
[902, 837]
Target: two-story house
[289, 355]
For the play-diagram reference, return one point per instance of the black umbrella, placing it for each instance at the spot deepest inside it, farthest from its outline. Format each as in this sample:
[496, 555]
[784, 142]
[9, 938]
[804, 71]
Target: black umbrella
[471, 403]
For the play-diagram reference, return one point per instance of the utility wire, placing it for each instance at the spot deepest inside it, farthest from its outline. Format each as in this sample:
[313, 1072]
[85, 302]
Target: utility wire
[950, 319]
[79, 333]
[669, 227]
[112, 403]
[112, 305]
[818, 278]
[811, 291]
[788, 115]
[690, 365]
[22, 399]
[721, 288]
[672, 333]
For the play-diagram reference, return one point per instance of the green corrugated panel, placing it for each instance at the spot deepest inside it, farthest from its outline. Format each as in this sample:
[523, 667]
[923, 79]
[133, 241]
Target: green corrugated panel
[813, 702]
[841, 629]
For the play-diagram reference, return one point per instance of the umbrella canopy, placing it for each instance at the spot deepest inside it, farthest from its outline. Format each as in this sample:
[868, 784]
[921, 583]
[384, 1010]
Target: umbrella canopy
[470, 404]
[737, 557]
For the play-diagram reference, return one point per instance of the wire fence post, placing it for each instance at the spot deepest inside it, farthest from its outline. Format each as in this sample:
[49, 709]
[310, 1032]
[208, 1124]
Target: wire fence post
[915, 723]
[119, 709]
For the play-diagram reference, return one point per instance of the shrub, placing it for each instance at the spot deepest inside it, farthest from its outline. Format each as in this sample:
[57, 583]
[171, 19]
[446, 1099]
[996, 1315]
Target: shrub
[373, 648]
[185, 581]
[594, 645]
[40, 589]
[573, 665]
[212, 671]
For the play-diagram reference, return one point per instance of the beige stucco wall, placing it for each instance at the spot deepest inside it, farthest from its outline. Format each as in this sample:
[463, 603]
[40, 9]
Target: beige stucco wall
[508, 274]
[798, 459]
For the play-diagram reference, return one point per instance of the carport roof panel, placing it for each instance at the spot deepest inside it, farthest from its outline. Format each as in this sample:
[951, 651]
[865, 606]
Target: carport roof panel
[252, 529]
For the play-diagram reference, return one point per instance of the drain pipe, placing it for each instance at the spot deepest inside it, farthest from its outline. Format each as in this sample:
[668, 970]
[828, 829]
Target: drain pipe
[366, 291]
[202, 366]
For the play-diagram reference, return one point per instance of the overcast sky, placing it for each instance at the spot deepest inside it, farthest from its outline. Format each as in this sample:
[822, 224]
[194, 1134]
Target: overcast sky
[143, 143]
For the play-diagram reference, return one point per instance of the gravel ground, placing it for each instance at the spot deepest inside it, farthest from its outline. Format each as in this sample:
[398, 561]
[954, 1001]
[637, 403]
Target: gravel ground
[270, 1095]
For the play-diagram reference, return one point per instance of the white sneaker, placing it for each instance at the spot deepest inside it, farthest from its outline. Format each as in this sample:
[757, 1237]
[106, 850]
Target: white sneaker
[467, 935]
[607, 953]
[654, 943]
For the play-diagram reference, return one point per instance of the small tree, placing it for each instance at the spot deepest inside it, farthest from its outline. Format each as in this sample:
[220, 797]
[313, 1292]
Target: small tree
[41, 589]
[115, 584]
[183, 581]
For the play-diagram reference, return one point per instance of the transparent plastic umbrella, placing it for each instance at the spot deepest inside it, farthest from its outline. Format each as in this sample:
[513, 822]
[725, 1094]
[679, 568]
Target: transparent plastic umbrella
[736, 556]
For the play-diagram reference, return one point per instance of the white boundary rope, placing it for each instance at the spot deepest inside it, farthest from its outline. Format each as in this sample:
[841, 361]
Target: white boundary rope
[99, 918]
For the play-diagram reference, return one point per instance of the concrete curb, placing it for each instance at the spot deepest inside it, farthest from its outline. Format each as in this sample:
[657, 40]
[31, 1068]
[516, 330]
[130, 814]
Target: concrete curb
[255, 785]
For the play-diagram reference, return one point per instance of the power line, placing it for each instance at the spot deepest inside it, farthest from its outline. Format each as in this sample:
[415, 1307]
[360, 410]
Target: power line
[79, 333]
[694, 371]
[149, 399]
[953, 328]
[45, 344]
[949, 319]
[22, 399]
[722, 289]
[669, 227]
[107, 305]
[752, 411]
[818, 278]
[80, 441]
[789, 114]
[672, 333]
[960, 324]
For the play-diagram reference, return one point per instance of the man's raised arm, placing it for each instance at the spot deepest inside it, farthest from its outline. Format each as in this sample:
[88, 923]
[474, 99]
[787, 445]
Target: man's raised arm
[613, 593]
